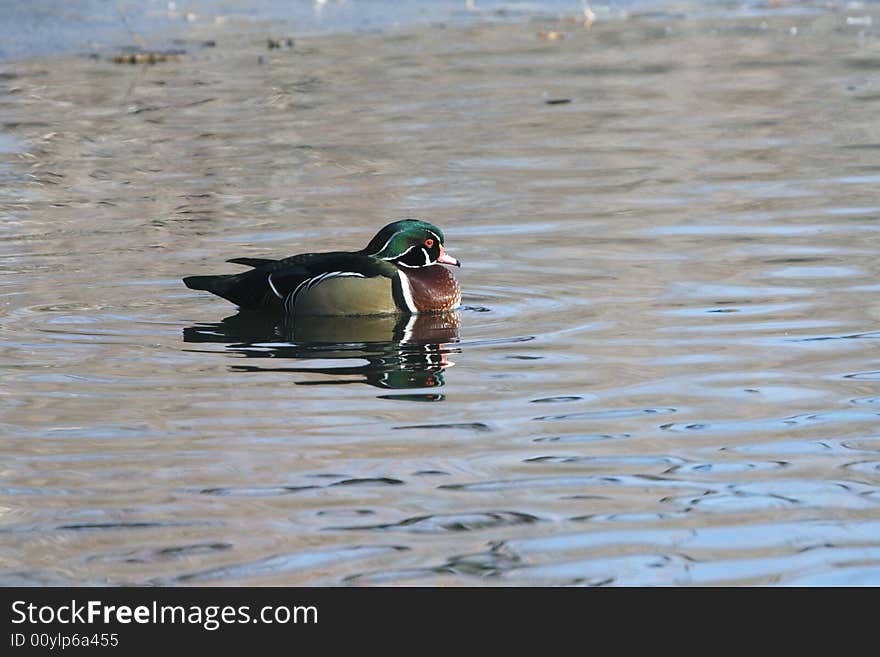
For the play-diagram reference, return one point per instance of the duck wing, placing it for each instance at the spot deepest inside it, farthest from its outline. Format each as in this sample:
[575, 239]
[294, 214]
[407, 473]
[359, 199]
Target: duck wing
[298, 274]
[270, 282]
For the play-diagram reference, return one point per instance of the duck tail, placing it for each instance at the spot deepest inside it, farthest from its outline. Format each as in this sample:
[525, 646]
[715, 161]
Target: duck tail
[214, 284]
[247, 290]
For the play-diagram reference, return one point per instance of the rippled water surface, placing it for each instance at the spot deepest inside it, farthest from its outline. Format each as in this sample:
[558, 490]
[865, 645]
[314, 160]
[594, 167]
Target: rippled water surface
[666, 370]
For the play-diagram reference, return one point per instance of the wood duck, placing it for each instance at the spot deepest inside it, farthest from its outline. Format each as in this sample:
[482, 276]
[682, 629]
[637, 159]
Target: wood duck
[397, 272]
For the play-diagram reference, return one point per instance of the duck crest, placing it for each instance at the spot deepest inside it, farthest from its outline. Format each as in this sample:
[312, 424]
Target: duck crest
[431, 289]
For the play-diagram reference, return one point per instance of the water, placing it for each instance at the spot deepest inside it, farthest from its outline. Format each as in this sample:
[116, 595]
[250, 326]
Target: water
[666, 370]
[42, 27]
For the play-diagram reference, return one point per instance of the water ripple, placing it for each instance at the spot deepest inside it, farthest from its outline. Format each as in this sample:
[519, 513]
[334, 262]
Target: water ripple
[691, 313]
[284, 563]
[572, 481]
[453, 522]
[610, 414]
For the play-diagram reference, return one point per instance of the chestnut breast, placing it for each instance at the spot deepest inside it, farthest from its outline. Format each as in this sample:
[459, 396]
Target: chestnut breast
[434, 288]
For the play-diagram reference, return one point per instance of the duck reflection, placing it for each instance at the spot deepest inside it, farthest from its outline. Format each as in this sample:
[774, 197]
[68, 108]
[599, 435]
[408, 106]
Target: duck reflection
[400, 352]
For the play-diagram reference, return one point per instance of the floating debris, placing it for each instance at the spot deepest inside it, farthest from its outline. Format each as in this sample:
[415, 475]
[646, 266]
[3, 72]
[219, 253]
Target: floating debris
[209, 43]
[557, 101]
[551, 36]
[148, 57]
[274, 44]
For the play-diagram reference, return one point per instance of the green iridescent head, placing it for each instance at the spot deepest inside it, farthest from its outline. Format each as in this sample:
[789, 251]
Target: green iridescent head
[410, 243]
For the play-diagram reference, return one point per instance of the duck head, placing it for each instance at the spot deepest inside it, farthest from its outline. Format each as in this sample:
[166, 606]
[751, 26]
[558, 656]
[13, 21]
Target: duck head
[410, 243]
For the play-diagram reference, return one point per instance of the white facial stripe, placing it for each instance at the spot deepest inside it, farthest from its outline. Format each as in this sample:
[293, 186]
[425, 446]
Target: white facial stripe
[401, 255]
[407, 292]
[398, 260]
[384, 246]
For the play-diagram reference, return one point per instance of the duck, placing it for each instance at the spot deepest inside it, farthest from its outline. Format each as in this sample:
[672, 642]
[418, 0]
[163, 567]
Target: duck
[400, 271]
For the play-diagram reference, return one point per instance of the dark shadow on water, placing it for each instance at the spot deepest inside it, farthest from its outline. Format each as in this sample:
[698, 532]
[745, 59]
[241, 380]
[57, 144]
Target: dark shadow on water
[400, 351]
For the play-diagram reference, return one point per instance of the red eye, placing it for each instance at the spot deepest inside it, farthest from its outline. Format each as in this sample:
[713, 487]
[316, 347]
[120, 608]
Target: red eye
[429, 242]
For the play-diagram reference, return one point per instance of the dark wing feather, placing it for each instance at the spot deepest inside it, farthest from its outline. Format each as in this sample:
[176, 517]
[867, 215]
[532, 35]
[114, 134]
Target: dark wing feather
[296, 269]
[251, 289]
[253, 262]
